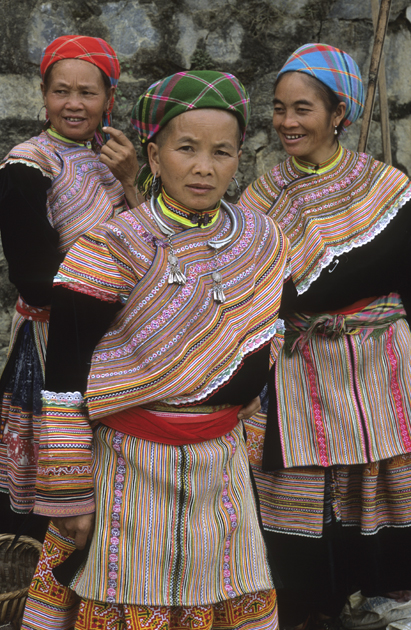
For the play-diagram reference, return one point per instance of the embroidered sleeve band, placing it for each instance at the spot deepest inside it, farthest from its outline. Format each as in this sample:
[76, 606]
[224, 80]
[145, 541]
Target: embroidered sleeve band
[64, 477]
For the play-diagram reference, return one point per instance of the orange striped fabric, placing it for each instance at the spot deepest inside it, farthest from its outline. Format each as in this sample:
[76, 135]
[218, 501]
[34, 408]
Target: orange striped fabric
[329, 211]
[51, 606]
[64, 459]
[292, 501]
[174, 343]
[83, 190]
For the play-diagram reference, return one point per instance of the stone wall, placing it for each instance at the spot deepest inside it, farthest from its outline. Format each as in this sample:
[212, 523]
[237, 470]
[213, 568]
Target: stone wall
[251, 38]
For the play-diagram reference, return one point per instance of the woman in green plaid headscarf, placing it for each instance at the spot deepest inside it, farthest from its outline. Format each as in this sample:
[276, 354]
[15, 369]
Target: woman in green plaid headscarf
[182, 92]
[182, 294]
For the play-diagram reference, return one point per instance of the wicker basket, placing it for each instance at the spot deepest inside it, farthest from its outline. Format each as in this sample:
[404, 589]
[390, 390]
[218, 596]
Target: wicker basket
[17, 566]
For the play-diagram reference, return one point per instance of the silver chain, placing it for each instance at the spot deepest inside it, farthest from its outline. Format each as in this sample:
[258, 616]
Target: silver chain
[176, 276]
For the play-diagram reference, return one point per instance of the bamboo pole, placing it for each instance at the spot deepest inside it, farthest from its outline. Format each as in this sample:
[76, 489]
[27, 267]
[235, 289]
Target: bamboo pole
[382, 91]
[373, 74]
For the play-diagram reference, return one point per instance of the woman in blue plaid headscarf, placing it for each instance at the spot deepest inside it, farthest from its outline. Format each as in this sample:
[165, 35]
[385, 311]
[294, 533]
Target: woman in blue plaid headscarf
[334, 476]
[334, 69]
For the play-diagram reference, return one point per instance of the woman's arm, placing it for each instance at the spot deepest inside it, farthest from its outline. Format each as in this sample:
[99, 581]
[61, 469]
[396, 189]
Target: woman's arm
[64, 482]
[30, 243]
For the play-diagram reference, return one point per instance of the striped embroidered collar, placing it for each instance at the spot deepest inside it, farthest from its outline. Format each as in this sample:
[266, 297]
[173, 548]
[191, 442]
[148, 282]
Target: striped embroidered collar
[54, 134]
[319, 169]
[326, 214]
[189, 218]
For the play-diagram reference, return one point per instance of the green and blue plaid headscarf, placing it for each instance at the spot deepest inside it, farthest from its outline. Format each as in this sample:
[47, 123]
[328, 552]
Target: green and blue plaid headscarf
[182, 92]
[336, 69]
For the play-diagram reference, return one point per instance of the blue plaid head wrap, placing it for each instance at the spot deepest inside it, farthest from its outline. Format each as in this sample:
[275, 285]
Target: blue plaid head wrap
[336, 70]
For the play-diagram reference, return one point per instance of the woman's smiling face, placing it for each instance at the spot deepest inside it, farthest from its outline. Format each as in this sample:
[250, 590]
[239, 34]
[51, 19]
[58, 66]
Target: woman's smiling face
[302, 120]
[196, 155]
[75, 98]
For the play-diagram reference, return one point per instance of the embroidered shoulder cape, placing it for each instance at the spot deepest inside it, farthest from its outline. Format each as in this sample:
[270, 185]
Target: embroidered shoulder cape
[83, 193]
[326, 212]
[174, 343]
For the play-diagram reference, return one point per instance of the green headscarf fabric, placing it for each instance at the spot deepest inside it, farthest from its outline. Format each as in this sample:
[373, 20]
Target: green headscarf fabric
[182, 92]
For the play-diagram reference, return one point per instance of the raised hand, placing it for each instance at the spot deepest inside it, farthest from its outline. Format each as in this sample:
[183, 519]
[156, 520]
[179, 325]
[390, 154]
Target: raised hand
[120, 156]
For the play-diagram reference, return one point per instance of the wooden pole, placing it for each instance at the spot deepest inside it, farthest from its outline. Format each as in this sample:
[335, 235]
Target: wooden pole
[382, 91]
[373, 74]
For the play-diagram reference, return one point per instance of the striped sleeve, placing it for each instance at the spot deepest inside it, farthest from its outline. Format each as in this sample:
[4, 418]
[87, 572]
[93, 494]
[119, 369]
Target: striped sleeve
[36, 155]
[93, 267]
[64, 485]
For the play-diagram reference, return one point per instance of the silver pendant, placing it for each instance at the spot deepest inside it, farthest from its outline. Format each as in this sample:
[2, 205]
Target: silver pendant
[175, 276]
[218, 292]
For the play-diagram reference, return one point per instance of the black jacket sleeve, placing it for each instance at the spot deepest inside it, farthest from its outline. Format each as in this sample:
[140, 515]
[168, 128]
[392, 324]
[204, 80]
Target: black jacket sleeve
[377, 268]
[77, 323]
[30, 243]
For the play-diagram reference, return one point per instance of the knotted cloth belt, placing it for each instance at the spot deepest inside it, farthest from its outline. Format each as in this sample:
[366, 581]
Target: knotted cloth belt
[372, 320]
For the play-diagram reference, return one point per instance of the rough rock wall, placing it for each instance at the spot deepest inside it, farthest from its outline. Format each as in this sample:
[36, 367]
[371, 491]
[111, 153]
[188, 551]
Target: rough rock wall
[251, 38]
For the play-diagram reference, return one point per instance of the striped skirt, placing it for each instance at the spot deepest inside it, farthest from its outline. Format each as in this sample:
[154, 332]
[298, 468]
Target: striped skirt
[175, 525]
[177, 543]
[345, 400]
[300, 500]
[20, 412]
[51, 606]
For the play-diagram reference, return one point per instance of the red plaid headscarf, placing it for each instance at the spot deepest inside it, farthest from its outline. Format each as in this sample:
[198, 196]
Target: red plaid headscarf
[91, 49]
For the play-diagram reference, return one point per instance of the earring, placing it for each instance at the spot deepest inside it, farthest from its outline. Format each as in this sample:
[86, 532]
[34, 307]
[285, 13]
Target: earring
[155, 186]
[234, 198]
[336, 130]
[38, 115]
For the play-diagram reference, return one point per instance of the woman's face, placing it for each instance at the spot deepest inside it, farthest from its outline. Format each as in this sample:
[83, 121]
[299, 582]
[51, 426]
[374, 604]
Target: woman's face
[196, 155]
[302, 121]
[75, 99]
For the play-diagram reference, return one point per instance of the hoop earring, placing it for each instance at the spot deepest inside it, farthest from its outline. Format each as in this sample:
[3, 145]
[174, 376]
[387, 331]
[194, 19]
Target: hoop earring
[235, 197]
[39, 112]
[155, 186]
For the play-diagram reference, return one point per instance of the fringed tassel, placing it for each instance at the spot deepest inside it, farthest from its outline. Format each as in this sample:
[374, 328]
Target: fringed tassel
[218, 292]
[175, 276]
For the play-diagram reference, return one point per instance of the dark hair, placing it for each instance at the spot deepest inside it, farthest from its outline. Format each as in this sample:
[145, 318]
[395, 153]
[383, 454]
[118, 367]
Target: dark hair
[327, 96]
[47, 79]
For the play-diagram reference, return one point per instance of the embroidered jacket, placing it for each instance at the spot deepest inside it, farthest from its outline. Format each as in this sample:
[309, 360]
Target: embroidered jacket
[341, 397]
[169, 343]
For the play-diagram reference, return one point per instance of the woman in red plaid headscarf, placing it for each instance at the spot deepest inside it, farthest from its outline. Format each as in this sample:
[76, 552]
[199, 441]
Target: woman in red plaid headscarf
[53, 188]
[92, 50]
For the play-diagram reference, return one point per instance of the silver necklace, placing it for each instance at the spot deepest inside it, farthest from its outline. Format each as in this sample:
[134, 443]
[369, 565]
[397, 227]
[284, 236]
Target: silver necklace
[176, 276]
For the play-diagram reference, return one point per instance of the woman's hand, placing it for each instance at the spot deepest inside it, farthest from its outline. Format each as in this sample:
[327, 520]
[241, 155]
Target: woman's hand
[249, 409]
[120, 156]
[79, 528]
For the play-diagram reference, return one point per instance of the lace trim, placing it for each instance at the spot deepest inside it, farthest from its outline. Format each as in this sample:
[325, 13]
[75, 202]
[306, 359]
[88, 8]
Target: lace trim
[280, 327]
[288, 270]
[362, 239]
[10, 162]
[79, 287]
[67, 399]
[251, 345]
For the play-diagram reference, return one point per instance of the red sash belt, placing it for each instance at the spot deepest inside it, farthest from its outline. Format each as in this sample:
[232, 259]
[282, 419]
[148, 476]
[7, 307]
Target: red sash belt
[173, 428]
[33, 313]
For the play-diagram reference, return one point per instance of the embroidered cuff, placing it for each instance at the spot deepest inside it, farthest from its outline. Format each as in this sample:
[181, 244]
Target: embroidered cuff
[64, 484]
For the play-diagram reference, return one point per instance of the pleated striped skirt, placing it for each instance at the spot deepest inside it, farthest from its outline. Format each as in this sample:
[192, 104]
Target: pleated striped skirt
[175, 525]
[51, 606]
